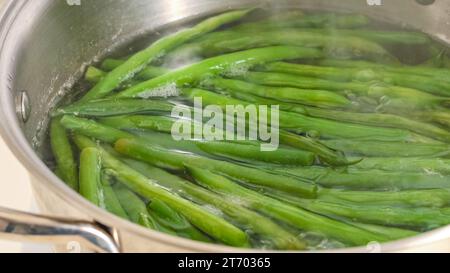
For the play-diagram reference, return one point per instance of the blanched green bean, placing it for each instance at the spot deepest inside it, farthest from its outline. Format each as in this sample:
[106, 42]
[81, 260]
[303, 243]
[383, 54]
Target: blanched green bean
[325, 128]
[423, 165]
[112, 203]
[134, 206]
[93, 129]
[374, 119]
[146, 74]
[209, 223]
[389, 149]
[437, 73]
[137, 62]
[164, 158]
[114, 107]
[392, 233]
[164, 124]
[229, 63]
[434, 198]
[294, 216]
[257, 223]
[340, 74]
[295, 19]
[90, 175]
[156, 123]
[397, 98]
[440, 117]
[171, 219]
[383, 120]
[64, 157]
[94, 75]
[408, 38]
[239, 151]
[228, 41]
[370, 179]
[317, 98]
[419, 218]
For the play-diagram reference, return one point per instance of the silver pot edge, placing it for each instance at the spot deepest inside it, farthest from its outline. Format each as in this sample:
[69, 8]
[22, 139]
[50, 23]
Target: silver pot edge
[11, 132]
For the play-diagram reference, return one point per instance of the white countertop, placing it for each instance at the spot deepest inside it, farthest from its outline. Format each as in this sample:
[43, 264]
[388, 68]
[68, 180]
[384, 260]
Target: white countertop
[15, 193]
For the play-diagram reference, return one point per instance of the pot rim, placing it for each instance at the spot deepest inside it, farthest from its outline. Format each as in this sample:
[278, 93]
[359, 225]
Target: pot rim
[12, 134]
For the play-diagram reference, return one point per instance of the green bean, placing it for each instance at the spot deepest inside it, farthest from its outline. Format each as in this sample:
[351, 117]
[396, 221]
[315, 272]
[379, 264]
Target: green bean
[325, 128]
[382, 120]
[94, 75]
[340, 74]
[326, 155]
[309, 97]
[259, 224]
[229, 63]
[434, 198]
[164, 158]
[294, 216]
[146, 220]
[164, 124]
[156, 123]
[114, 107]
[169, 218]
[389, 149]
[93, 129]
[327, 20]
[137, 209]
[438, 73]
[423, 165]
[228, 41]
[90, 175]
[137, 62]
[392, 233]
[134, 206]
[409, 38]
[369, 179]
[374, 119]
[64, 157]
[390, 97]
[148, 73]
[419, 218]
[110, 64]
[112, 203]
[440, 117]
[209, 223]
[240, 151]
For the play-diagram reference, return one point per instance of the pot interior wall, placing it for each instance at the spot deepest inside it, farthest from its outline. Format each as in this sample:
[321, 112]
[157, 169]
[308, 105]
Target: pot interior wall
[55, 40]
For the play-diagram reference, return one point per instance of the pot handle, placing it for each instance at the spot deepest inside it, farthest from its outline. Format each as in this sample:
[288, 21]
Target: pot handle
[21, 226]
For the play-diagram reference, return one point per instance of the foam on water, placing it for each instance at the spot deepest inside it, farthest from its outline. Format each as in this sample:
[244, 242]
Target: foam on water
[166, 91]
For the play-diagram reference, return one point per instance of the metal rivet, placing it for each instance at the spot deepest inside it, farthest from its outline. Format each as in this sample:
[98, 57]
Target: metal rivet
[425, 2]
[23, 106]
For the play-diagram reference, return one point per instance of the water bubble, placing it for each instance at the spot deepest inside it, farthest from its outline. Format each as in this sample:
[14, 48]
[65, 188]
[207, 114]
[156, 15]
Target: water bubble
[366, 75]
[313, 134]
[385, 100]
[169, 90]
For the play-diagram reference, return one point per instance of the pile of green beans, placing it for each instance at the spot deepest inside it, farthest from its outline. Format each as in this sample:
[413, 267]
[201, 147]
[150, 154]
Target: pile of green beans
[364, 139]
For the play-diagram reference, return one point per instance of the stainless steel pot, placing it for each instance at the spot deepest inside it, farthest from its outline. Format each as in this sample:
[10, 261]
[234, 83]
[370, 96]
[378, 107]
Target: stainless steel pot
[43, 45]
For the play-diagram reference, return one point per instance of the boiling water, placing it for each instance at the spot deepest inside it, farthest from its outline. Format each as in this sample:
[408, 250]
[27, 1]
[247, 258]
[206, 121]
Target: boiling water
[405, 54]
